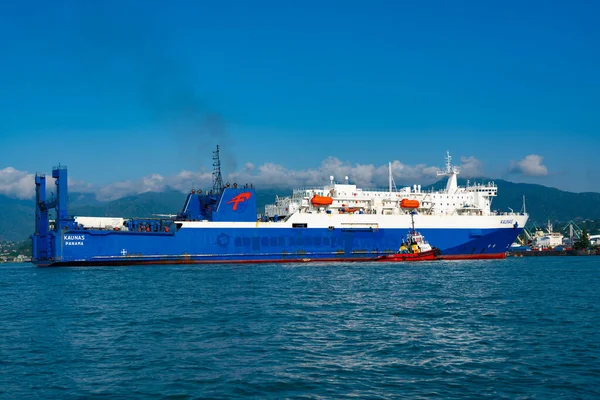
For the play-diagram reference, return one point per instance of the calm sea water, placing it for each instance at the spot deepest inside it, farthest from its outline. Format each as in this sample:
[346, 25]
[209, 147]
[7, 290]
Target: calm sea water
[515, 328]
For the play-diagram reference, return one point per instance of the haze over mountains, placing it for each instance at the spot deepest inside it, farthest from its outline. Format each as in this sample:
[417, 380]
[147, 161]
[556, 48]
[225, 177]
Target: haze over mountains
[542, 203]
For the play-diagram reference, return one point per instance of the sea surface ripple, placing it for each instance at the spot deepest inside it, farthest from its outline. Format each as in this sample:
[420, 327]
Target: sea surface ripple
[515, 328]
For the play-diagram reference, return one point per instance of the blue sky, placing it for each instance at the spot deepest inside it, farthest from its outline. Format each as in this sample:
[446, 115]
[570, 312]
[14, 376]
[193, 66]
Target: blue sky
[123, 91]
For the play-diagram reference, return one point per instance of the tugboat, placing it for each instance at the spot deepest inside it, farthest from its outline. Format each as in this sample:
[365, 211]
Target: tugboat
[414, 248]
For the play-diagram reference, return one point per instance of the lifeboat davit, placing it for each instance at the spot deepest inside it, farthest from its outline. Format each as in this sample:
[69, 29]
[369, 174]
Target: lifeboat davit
[406, 203]
[321, 200]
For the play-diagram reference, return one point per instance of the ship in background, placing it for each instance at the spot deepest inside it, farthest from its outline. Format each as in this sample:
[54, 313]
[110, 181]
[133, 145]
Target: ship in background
[547, 240]
[336, 222]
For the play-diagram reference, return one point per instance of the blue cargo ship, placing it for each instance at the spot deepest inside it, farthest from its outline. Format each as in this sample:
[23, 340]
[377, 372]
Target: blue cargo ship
[336, 222]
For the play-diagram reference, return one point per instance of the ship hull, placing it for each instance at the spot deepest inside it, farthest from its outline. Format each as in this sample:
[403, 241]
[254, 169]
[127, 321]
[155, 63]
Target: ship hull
[206, 245]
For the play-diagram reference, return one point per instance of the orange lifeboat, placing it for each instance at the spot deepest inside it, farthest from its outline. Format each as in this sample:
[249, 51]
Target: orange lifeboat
[406, 203]
[321, 200]
[349, 209]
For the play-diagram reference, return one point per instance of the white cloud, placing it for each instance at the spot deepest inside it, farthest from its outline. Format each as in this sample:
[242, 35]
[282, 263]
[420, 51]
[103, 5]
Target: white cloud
[80, 186]
[183, 181]
[531, 165]
[471, 167]
[364, 175]
[15, 183]
[269, 175]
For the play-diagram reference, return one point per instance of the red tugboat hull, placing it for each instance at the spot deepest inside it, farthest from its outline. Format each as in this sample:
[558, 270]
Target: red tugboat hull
[430, 255]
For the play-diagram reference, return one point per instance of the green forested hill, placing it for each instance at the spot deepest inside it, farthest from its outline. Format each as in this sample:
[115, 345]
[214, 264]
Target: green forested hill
[16, 218]
[141, 205]
[543, 203]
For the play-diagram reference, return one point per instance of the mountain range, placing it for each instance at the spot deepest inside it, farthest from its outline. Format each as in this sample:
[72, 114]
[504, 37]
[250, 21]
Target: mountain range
[542, 203]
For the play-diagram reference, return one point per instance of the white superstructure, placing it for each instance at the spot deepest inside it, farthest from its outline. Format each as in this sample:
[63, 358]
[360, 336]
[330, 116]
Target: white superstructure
[472, 200]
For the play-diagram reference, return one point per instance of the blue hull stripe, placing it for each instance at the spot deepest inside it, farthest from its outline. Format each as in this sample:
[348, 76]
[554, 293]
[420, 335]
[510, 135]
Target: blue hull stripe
[262, 245]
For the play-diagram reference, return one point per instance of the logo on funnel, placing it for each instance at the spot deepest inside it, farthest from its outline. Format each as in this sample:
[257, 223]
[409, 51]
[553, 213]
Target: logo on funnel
[240, 198]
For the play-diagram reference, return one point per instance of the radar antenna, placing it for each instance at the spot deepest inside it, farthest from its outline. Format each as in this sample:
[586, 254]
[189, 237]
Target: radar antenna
[217, 178]
[451, 172]
[450, 169]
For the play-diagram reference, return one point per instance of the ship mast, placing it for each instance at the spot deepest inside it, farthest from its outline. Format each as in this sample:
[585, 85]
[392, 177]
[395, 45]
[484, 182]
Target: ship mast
[391, 183]
[451, 173]
[217, 178]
